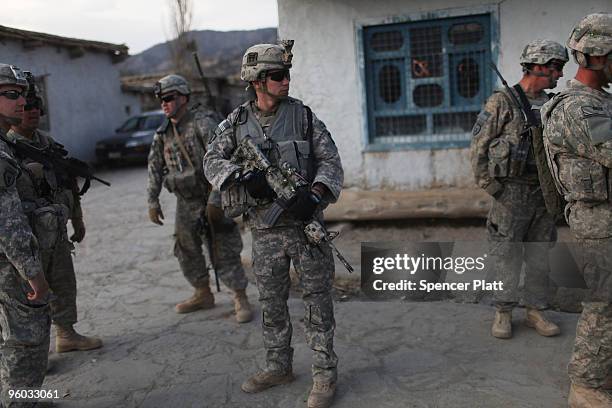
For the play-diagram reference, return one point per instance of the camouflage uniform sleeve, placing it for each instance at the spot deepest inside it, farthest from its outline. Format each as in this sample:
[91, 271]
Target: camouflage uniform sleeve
[588, 135]
[16, 239]
[217, 165]
[489, 125]
[328, 166]
[156, 167]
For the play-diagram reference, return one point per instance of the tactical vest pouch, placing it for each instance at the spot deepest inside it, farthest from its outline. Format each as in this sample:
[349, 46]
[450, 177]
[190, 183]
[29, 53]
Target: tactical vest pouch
[499, 158]
[235, 201]
[47, 223]
[187, 184]
[586, 180]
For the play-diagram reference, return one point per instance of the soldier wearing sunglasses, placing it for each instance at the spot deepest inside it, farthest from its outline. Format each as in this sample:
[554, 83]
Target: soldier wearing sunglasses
[175, 161]
[24, 312]
[506, 167]
[60, 191]
[285, 130]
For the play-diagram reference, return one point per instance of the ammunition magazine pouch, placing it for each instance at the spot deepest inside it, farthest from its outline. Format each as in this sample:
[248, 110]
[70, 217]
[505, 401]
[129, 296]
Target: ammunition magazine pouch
[187, 184]
[236, 201]
[499, 158]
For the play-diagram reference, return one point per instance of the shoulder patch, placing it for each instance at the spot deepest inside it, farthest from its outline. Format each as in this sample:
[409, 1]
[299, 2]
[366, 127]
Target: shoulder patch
[482, 118]
[592, 111]
[223, 126]
[9, 170]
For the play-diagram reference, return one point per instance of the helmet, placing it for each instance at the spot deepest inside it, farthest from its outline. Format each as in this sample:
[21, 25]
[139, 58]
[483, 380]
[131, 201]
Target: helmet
[542, 51]
[592, 35]
[261, 58]
[33, 96]
[171, 83]
[12, 75]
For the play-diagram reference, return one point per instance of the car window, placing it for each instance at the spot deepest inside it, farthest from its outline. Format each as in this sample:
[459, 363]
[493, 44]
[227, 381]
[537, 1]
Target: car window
[152, 122]
[130, 125]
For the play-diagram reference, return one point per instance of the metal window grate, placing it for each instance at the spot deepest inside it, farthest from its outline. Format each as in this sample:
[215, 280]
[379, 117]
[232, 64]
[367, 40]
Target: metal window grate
[426, 80]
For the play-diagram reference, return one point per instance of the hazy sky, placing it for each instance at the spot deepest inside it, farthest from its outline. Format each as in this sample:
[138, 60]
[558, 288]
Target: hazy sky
[138, 23]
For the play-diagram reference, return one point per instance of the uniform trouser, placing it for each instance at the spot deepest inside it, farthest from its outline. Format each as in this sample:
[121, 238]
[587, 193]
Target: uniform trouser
[520, 229]
[59, 271]
[273, 250]
[24, 341]
[591, 362]
[188, 247]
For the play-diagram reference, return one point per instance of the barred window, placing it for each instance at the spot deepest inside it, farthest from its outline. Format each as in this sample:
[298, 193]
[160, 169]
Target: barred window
[426, 80]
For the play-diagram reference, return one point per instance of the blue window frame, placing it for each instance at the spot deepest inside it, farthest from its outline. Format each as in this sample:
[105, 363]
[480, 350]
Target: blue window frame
[426, 81]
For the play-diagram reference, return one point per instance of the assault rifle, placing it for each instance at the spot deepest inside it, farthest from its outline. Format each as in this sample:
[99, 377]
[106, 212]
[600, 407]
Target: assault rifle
[284, 179]
[56, 157]
[204, 228]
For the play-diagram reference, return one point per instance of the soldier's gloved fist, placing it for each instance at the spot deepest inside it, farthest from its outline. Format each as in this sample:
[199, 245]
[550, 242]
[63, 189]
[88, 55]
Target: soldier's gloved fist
[305, 204]
[79, 229]
[257, 186]
[156, 215]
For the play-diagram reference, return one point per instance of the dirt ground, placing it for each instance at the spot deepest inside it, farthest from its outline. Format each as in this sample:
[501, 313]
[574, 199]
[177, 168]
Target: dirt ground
[391, 353]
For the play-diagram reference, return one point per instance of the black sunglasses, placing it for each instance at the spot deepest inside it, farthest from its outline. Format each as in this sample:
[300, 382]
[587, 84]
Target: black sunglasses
[167, 98]
[278, 76]
[13, 95]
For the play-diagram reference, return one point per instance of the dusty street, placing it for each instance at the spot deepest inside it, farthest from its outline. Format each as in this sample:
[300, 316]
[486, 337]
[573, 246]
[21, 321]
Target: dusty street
[392, 354]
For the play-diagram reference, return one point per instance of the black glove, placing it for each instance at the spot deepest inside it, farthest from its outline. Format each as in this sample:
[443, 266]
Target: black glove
[257, 186]
[305, 204]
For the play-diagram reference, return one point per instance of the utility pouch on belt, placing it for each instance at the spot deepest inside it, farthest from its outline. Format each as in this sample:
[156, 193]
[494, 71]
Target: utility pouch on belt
[187, 184]
[47, 224]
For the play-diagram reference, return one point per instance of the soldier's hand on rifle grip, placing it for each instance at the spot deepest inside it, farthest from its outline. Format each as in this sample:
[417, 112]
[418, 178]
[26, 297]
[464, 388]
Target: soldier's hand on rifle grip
[79, 230]
[156, 215]
[257, 185]
[305, 204]
[40, 288]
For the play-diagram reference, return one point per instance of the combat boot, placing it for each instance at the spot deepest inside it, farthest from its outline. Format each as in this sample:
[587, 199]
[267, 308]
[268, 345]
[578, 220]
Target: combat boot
[502, 325]
[262, 380]
[242, 306]
[322, 394]
[535, 319]
[67, 339]
[201, 299]
[584, 397]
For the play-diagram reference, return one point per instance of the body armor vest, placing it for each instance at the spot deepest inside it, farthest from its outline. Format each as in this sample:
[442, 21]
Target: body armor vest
[284, 140]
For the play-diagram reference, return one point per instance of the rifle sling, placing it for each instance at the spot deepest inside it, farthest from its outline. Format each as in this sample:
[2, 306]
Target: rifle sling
[178, 138]
[525, 106]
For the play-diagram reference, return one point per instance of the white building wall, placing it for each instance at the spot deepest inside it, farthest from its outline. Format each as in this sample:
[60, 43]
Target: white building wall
[84, 98]
[328, 64]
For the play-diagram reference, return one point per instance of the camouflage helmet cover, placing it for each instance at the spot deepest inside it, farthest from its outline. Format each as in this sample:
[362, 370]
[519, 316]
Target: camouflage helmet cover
[261, 58]
[12, 75]
[592, 35]
[171, 83]
[543, 51]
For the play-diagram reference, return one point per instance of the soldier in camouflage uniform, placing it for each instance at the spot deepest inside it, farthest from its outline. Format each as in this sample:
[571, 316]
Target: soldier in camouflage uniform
[504, 166]
[175, 160]
[285, 131]
[24, 313]
[578, 143]
[43, 184]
